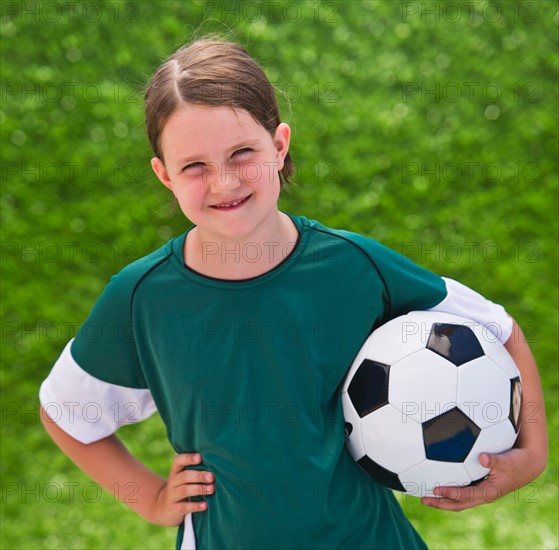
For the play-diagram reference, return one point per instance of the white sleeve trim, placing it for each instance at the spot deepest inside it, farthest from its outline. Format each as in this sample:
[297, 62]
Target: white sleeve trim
[87, 408]
[462, 300]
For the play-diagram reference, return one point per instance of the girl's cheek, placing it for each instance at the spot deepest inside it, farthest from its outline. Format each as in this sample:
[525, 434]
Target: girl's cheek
[252, 172]
[192, 184]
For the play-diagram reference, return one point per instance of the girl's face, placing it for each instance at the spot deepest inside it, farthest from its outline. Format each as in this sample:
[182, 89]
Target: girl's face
[222, 166]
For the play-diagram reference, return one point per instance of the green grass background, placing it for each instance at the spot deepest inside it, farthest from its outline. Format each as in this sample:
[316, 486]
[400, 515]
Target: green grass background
[75, 169]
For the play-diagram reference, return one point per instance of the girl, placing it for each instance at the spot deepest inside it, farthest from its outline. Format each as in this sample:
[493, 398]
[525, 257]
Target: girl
[240, 332]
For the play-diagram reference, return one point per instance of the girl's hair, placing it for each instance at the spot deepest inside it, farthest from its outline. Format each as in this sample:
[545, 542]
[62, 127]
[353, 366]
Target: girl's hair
[214, 73]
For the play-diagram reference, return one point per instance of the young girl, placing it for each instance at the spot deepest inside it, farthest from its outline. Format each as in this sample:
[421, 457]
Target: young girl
[240, 332]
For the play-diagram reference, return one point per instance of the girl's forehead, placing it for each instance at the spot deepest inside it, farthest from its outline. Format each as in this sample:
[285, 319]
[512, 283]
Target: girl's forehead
[201, 126]
[207, 115]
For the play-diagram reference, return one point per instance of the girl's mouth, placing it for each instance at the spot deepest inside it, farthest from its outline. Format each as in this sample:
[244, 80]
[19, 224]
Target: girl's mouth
[232, 204]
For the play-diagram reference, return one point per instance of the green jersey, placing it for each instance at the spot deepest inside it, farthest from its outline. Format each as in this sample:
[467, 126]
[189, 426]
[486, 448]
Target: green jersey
[248, 374]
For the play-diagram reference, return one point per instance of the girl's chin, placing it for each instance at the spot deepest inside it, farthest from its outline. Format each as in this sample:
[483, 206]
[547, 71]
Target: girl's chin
[241, 225]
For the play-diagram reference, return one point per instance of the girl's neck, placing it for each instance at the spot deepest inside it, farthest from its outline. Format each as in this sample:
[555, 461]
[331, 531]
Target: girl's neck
[237, 259]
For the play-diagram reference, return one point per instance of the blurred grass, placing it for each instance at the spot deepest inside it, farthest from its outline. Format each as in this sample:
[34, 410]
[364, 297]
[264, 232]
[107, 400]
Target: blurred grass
[465, 185]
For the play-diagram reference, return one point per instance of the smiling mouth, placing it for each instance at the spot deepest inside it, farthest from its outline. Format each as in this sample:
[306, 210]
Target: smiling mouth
[230, 205]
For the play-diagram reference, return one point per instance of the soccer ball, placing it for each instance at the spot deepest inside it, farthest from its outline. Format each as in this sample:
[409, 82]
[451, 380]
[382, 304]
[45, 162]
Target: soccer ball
[426, 394]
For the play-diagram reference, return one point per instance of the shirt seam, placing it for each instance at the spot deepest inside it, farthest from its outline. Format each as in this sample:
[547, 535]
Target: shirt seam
[367, 255]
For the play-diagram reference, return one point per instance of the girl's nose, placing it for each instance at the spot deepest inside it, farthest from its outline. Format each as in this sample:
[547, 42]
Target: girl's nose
[225, 178]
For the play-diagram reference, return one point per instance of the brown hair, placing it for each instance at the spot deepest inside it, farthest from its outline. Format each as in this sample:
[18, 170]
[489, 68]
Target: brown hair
[214, 73]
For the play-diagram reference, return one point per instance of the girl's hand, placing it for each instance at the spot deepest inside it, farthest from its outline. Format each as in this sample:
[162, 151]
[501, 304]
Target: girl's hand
[509, 471]
[173, 503]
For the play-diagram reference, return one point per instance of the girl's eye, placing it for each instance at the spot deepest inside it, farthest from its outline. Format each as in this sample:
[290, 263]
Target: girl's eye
[243, 150]
[192, 165]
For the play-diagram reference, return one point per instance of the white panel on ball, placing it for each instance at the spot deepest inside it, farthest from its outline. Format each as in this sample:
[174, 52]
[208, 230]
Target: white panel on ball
[391, 440]
[483, 392]
[398, 339]
[423, 385]
[498, 353]
[434, 474]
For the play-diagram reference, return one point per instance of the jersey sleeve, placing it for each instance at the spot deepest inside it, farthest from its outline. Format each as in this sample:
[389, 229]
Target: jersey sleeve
[462, 300]
[411, 287]
[97, 383]
[408, 286]
[87, 408]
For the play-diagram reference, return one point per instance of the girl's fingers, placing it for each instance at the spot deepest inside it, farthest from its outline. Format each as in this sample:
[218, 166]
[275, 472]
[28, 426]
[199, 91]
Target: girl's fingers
[185, 483]
[192, 507]
[184, 459]
[446, 504]
[192, 490]
[191, 476]
[179, 475]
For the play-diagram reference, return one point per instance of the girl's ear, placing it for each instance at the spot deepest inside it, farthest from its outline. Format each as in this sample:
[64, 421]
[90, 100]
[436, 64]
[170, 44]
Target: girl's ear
[281, 142]
[161, 172]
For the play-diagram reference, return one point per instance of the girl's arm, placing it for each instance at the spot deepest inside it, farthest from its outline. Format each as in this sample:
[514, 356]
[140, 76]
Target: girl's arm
[526, 461]
[110, 464]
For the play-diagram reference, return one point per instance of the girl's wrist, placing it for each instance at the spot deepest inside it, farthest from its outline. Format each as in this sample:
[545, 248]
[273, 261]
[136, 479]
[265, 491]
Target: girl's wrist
[146, 504]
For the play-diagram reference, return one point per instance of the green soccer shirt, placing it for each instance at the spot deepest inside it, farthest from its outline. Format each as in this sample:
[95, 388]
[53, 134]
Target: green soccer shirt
[248, 373]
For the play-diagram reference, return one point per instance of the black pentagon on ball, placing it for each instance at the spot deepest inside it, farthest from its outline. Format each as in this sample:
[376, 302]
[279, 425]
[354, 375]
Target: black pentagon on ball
[456, 343]
[450, 436]
[381, 475]
[348, 429]
[368, 389]
[515, 403]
